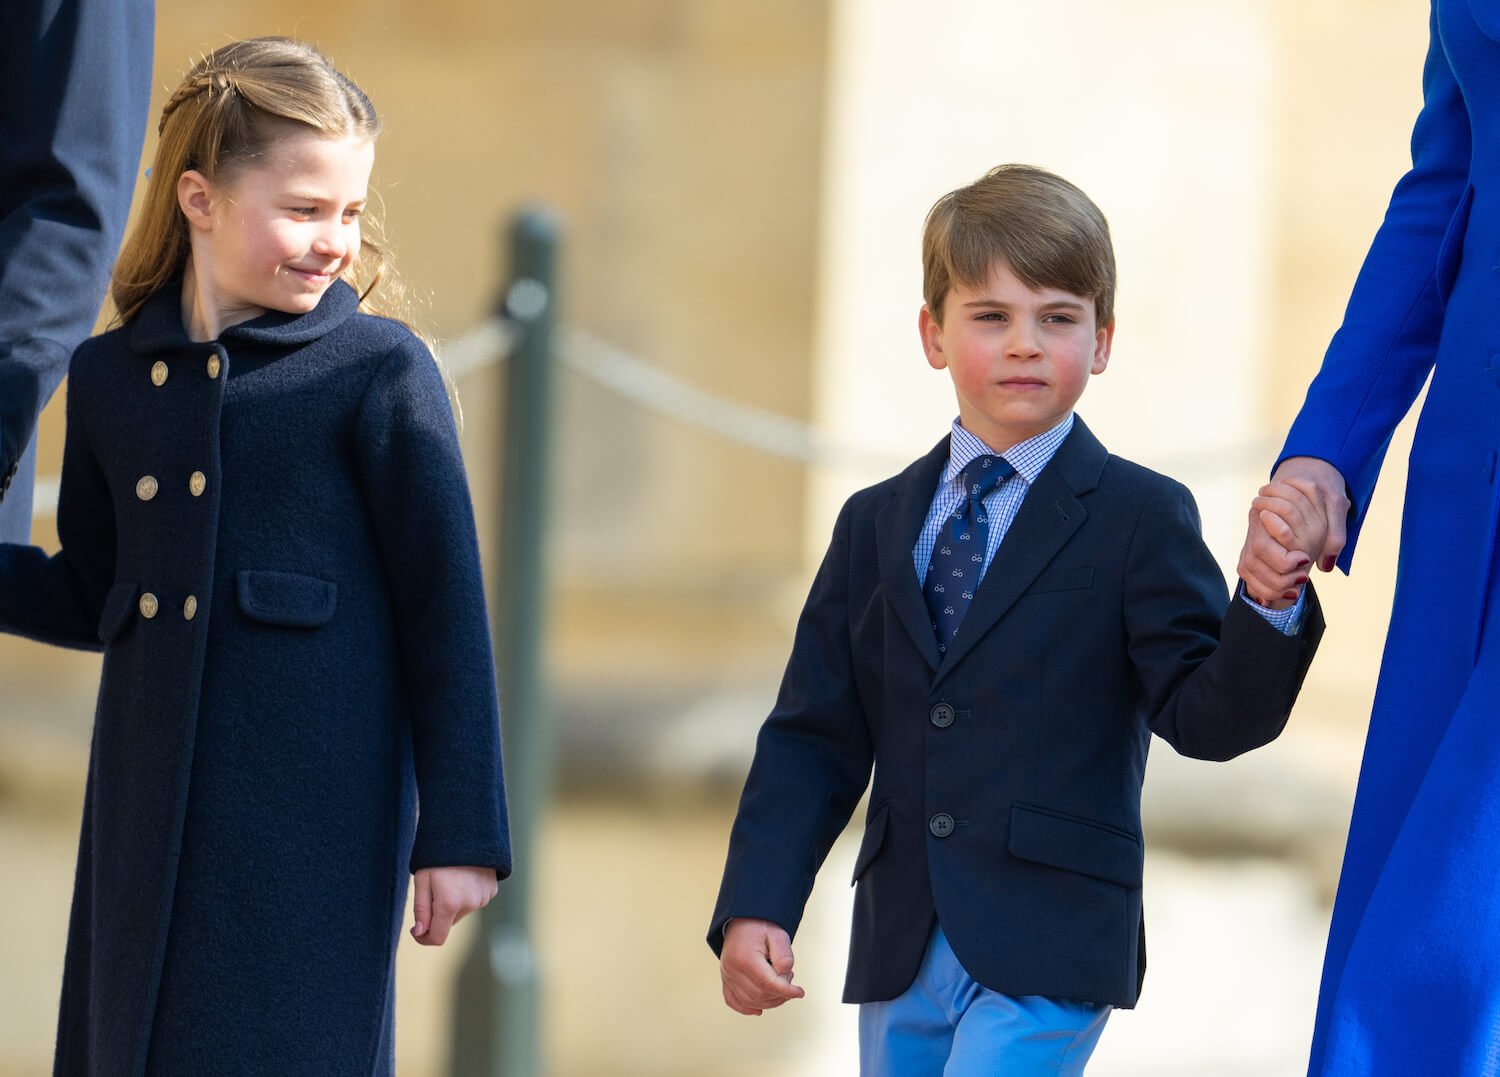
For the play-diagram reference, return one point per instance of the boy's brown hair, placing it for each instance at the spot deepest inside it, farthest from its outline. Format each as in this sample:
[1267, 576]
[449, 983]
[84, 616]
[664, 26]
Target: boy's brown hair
[1041, 226]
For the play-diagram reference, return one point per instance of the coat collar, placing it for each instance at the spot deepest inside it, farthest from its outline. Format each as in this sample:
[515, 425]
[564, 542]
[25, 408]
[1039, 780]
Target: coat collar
[1049, 517]
[158, 327]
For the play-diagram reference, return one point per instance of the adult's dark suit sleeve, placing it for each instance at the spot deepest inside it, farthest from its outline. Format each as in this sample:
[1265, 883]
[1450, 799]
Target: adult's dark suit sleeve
[1244, 673]
[812, 762]
[59, 598]
[75, 84]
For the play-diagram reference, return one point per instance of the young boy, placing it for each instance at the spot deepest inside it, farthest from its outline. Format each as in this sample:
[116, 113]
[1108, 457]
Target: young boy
[998, 630]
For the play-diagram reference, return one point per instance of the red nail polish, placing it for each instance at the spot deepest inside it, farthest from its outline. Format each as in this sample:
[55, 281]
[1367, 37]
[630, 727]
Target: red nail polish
[1304, 563]
[1300, 580]
[1290, 595]
[1328, 563]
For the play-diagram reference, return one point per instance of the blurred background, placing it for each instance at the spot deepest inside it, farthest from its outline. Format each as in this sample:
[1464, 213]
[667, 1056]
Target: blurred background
[741, 189]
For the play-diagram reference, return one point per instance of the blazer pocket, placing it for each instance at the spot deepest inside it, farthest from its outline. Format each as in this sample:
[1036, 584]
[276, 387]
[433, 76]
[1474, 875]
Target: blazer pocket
[287, 599]
[1451, 251]
[873, 841]
[1063, 579]
[119, 610]
[1074, 844]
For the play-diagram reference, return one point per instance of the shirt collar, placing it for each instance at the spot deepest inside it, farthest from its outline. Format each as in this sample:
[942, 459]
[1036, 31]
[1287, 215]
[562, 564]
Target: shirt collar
[1027, 457]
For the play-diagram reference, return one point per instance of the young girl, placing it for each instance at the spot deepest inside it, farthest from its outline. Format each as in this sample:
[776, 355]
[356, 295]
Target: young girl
[264, 518]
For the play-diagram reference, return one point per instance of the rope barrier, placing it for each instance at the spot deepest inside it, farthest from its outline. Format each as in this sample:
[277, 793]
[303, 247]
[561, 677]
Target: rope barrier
[653, 389]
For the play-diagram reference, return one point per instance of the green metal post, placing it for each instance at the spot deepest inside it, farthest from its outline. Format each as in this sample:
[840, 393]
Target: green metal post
[497, 1030]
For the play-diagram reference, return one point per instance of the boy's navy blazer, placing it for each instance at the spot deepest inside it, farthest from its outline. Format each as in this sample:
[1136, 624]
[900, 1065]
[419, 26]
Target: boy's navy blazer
[1007, 775]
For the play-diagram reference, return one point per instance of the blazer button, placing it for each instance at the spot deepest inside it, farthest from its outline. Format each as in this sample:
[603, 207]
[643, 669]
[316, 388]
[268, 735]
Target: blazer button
[197, 483]
[214, 366]
[190, 608]
[146, 488]
[940, 824]
[148, 605]
[941, 715]
[158, 373]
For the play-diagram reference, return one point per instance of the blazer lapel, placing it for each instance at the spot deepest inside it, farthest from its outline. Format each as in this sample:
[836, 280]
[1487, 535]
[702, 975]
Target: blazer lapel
[1050, 516]
[897, 525]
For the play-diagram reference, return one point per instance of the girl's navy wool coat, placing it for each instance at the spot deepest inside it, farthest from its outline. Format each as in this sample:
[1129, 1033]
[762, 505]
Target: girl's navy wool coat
[272, 536]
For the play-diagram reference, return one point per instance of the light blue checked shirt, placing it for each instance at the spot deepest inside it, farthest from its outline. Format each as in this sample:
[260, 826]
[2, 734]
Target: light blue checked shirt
[1004, 502]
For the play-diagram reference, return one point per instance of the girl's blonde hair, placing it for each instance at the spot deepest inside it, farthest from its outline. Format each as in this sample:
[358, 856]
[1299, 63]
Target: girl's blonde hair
[226, 114]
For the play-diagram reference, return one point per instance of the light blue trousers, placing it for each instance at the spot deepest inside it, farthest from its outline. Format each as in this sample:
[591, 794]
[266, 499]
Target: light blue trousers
[946, 1025]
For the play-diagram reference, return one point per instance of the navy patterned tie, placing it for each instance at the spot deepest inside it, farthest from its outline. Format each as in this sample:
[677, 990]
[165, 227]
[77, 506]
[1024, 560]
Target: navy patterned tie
[958, 554]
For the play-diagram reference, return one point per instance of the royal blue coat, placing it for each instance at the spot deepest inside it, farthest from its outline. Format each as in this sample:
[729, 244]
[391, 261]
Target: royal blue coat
[75, 80]
[1411, 979]
[1007, 772]
[272, 537]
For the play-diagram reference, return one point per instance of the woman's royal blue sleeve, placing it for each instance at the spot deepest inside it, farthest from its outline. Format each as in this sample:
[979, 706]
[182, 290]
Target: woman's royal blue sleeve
[1381, 355]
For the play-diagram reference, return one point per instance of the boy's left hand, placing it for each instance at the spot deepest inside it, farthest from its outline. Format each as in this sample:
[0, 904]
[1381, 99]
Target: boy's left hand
[444, 896]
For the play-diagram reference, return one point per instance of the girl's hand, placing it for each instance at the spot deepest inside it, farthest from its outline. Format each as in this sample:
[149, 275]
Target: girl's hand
[444, 896]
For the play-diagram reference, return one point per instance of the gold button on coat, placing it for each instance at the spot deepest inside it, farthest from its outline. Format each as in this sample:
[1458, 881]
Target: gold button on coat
[190, 608]
[148, 605]
[146, 488]
[197, 483]
[214, 366]
[158, 373]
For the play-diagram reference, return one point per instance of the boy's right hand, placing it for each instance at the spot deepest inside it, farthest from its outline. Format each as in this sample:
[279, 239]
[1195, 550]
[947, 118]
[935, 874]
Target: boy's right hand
[1300, 518]
[1287, 513]
[756, 966]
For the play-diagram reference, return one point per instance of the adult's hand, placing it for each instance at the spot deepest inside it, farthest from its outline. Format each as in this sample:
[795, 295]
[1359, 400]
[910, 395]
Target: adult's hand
[1268, 567]
[756, 966]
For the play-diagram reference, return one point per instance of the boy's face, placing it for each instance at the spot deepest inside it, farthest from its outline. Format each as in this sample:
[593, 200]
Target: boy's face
[1019, 357]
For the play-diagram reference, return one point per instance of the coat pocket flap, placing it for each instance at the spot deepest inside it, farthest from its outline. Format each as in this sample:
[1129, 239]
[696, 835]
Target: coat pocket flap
[873, 841]
[286, 598]
[119, 608]
[1077, 578]
[1065, 841]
